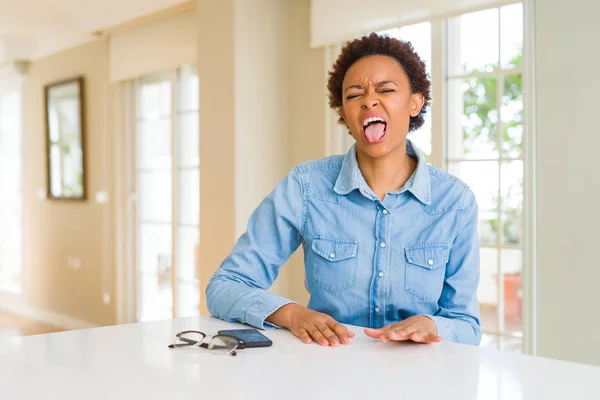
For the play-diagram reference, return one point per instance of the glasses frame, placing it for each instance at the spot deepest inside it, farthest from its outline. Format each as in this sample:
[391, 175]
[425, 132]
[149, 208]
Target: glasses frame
[240, 344]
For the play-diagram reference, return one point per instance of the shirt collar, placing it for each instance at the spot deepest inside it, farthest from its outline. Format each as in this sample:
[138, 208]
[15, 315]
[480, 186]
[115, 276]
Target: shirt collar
[350, 177]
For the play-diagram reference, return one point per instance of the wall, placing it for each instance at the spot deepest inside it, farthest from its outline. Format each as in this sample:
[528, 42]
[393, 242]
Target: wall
[216, 74]
[567, 153]
[261, 110]
[55, 230]
[307, 106]
[265, 75]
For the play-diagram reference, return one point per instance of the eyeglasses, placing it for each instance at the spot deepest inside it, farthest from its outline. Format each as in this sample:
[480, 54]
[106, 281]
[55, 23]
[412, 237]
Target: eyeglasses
[218, 344]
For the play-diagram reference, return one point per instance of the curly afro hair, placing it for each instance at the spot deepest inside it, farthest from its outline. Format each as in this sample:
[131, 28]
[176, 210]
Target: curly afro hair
[376, 45]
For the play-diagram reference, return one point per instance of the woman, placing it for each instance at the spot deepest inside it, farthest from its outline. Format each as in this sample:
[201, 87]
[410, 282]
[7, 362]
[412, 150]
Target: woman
[390, 243]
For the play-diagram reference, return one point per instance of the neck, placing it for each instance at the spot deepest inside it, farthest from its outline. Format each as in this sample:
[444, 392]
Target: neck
[388, 173]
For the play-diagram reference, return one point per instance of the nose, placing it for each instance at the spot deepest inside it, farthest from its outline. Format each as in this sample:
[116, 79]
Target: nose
[370, 100]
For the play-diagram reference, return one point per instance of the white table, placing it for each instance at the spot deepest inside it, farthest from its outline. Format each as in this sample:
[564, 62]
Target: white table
[133, 362]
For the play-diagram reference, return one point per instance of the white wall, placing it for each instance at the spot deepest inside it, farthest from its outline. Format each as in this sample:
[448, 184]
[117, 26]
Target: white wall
[568, 141]
[261, 134]
[262, 107]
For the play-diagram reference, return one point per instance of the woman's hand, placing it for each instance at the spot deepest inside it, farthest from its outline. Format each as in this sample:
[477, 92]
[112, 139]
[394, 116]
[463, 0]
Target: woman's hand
[309, 325]
[417, 328]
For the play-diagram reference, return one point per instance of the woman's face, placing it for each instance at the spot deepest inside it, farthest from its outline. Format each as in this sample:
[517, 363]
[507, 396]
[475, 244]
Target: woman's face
[377, 103]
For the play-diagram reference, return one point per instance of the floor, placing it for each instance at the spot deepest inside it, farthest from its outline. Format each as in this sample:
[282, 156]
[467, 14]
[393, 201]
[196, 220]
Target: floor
[12, 325]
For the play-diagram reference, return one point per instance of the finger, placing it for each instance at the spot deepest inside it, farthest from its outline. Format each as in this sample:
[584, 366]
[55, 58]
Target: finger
[375, 333]
[404, 329]
[304, 336]
[316, 334]
[417, 337]
[329, 335]
[342, 332]
[381, 332]
[422, 337]
[399, 334]
[433, 339]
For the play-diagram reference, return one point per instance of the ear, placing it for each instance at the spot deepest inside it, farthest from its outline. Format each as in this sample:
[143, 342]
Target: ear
[416, 104]
[342, 115]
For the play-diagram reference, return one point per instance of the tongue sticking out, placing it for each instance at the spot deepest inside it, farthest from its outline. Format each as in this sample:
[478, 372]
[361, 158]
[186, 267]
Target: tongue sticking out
[375, 131]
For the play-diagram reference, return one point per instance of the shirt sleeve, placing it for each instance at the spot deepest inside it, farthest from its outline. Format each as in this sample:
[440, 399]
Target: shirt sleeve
[457, 318]
[237, 291]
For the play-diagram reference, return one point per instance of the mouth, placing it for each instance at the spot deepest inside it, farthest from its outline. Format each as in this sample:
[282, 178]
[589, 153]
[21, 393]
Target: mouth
[374, 128]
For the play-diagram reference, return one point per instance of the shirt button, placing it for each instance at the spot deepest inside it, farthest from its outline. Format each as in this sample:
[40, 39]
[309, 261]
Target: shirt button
[382, 244]
[381, 274]
[377, 309]
[332, 255]
[385, 211]
[430, 262]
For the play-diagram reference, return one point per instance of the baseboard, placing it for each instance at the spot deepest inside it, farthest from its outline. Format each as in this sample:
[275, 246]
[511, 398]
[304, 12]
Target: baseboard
[15, 305]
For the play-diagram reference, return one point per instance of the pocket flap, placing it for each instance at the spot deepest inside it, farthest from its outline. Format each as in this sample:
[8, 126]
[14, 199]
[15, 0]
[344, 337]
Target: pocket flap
[334, 249]
[428, 255]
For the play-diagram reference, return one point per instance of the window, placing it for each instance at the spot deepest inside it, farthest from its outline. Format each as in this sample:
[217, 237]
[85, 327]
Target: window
[484, 148]
[10, 192]
[168, 194]
[475, 60]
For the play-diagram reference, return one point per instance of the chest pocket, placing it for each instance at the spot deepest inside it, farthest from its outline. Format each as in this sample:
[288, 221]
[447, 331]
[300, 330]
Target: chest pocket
[425, 269]
[334, 263]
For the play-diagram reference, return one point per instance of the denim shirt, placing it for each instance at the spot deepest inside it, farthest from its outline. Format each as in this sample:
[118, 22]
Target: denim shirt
[368, 262]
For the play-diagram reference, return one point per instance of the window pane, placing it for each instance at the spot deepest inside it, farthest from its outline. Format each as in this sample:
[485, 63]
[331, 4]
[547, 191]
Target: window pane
[473, 42]
[154, 97]
[472, 118]
[10, 192]
[512, 266]
[154, 196]
[511, 35]
[422, 137]
[482, 178]
[512, 116]
[487, 292]
[512, 201]
[56, 177]
[188, 88]
[189, 197]
[156, 299]
[187, 253]
[154, 143]
[154, 248]
[188, 140]
[419, 35]
[188, 299]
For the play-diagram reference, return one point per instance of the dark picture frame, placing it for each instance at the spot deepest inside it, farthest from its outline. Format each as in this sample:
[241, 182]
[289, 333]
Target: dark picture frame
[65, 139]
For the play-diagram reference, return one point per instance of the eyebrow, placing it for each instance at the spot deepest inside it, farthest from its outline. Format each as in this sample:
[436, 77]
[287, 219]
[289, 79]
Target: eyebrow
[378, 84]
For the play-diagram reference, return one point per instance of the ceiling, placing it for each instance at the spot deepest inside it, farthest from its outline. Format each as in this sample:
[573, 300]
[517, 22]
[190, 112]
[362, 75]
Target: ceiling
[31, 29]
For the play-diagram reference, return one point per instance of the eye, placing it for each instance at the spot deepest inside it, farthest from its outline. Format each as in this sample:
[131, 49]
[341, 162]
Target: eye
[387, 91]
[352, 96]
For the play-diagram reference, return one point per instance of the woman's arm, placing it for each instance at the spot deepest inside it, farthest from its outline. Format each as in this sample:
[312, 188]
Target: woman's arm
[237, 290]
[457, 319]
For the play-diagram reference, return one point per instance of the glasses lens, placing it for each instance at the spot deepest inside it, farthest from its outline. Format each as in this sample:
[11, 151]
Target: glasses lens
[223, 345]
[190, 338]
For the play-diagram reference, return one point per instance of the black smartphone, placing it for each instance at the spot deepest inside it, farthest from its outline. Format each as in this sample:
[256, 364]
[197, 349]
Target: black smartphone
[251, 337]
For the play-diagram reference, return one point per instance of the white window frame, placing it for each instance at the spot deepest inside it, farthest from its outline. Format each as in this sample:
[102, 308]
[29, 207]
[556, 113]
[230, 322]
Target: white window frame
[336, 143]
[499, 75]
[11, 81]
[129, 306]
